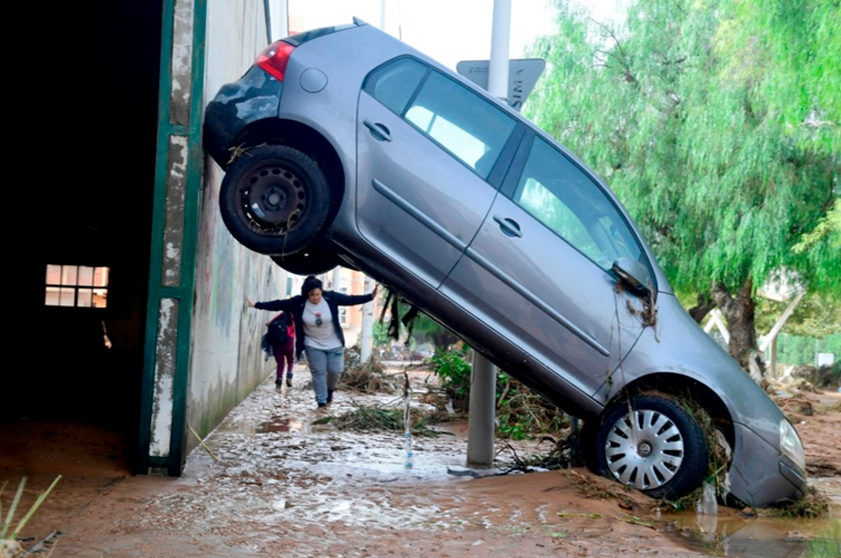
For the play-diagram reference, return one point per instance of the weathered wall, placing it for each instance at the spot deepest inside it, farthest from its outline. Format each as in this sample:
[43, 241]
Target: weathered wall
[226, 363]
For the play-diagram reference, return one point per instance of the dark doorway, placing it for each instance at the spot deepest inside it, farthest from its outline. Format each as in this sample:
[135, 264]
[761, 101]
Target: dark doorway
[84, 238]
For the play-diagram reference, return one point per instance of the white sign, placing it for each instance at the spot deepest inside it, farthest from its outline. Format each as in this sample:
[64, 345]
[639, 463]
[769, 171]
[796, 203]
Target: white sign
[826, 359]
[522, 75]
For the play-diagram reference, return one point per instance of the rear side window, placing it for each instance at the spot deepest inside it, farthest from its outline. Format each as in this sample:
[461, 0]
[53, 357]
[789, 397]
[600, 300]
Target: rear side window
[470, 128]
[394, 83]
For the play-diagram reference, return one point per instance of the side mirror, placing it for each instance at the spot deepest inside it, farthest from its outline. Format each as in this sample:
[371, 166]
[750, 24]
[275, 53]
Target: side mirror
[633, 274]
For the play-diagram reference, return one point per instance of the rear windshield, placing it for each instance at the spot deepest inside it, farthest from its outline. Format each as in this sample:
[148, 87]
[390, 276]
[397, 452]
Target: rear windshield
[301, 38]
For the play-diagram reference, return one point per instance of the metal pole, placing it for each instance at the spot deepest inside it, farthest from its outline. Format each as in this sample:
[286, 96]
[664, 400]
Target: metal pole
[367, 338]
[480, 421]
[382, 15]
[337, 278]
[283, 19]
[498, 64]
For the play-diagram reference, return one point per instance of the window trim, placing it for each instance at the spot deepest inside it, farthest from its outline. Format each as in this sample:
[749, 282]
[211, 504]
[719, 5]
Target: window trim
[512, 179]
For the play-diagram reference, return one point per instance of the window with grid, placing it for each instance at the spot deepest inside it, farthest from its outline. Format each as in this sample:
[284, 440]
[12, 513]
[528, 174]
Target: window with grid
[77, 286]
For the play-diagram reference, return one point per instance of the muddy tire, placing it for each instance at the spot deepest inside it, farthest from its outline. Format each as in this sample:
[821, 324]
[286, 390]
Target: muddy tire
[274, 200]
[669, 457]
[311, 261]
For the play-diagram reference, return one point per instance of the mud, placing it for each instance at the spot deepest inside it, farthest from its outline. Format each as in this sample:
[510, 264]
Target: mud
[285, 487]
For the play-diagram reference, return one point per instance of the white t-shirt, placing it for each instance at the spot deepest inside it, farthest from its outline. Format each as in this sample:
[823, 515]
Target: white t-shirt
[321, 336]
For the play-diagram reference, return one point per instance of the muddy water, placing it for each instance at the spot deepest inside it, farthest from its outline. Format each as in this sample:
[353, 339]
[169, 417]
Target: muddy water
[285, 487]
[759, 537]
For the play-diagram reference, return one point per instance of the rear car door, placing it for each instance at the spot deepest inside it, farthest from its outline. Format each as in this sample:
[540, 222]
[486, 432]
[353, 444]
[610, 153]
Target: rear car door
[539, 269]
[429, 165]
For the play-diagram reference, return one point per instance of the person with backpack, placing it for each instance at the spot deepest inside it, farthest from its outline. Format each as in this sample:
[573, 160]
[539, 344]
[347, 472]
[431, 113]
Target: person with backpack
[319, 331]
[281, 339]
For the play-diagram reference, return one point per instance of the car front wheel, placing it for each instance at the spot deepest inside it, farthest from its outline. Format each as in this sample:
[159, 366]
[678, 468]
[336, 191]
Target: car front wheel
[274, 199]
[652, 443]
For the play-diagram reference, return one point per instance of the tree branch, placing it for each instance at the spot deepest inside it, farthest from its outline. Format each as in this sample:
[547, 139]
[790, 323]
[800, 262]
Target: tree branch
[629, 76]
[705, 306]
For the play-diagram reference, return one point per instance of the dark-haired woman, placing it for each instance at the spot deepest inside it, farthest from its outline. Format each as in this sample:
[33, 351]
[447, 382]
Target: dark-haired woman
[319, 332]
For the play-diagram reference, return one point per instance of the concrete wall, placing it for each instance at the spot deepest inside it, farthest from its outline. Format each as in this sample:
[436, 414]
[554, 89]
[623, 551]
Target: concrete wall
[226, 362]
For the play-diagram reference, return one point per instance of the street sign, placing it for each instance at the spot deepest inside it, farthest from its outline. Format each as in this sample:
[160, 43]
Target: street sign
[522, 75]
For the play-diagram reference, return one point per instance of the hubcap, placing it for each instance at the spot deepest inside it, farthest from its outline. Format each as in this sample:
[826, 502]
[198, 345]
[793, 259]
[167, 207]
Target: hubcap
[646, 453]
[273, 199]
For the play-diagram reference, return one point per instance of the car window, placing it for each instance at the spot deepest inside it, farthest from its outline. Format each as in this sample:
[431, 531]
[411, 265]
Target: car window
[465, 124]
[556, 192]
[394, 83]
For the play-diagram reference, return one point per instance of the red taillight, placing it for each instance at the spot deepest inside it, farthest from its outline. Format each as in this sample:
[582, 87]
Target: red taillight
[275, 58]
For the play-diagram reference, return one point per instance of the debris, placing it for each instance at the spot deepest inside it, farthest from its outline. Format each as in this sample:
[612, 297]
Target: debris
[39, 546]
[379, 418]
[568, 515]
[201, 442]
[814, 504]
[11, 549]
[591, 487]
[368, 377]
[7, 524]
[634, 520]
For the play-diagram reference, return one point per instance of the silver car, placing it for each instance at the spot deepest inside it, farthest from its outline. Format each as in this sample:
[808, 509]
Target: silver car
[345, 145]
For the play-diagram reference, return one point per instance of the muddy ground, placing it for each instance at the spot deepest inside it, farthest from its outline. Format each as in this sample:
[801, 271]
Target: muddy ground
[283, 487]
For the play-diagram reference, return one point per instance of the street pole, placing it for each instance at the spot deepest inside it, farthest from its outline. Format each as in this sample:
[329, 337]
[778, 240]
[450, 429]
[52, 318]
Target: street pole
[382, 15]
[366, 340]
[480, 421]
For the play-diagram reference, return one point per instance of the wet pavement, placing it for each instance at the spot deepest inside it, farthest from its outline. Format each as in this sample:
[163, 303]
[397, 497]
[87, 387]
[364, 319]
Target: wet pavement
[285, 487]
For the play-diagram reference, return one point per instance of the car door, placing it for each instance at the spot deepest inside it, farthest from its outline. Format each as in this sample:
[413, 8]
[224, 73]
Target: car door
[427, 148]
[539, 269]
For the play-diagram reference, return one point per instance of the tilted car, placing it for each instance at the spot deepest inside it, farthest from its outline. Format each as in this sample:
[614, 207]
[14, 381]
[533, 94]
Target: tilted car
[345, 145]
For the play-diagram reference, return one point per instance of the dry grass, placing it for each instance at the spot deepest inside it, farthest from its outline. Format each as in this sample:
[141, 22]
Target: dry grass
[368, 377]
[368, 419]
[813, 505]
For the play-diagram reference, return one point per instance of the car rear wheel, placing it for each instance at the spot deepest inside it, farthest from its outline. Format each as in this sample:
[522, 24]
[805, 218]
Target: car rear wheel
[274, 200]
[649, 442]
[310, 261]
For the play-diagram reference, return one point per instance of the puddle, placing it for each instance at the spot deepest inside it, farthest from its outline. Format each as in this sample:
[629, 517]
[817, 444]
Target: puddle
[283, 424]
[759, 537]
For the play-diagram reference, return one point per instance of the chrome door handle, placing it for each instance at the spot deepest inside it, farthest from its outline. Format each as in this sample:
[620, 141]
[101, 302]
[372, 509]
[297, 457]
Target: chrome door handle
[509, 226]
[378, 130]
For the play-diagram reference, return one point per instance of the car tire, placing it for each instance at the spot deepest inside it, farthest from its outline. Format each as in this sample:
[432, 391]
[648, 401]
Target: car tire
[274, 200]
[670, 461]
[311, 261]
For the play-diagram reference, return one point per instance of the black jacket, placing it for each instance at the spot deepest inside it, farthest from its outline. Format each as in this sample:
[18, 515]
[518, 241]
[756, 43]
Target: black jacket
[295, 306]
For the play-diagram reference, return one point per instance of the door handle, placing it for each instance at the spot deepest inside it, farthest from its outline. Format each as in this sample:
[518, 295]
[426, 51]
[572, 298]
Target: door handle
[378, 130]
[509, 226]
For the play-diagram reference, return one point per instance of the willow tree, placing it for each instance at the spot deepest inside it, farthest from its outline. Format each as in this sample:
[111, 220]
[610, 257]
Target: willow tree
[687, 111]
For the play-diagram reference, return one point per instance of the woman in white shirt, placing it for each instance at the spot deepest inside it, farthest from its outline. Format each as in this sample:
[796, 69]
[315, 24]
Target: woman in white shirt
[316, 315]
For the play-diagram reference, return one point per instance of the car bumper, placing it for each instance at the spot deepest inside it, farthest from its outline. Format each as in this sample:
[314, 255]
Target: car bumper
[255, 96]
[760, 476]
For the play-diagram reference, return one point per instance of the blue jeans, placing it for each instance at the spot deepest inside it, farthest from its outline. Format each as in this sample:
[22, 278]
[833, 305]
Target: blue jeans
[326, 367]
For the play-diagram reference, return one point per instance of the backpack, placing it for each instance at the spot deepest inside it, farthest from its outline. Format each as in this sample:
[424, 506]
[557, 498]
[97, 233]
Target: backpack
[278, 332]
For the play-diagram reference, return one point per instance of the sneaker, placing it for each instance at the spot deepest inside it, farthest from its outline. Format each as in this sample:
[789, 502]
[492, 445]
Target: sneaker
[322, 405]
[278, 382]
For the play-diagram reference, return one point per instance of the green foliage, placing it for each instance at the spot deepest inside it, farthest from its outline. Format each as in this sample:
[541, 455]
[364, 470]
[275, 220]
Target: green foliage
[380, 334]
[716, 123]
[520, 412]
[454, 372]
[794, 349]
[816, 316]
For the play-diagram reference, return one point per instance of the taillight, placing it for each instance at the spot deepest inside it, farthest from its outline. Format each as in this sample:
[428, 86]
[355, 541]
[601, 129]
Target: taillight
[275, 58]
